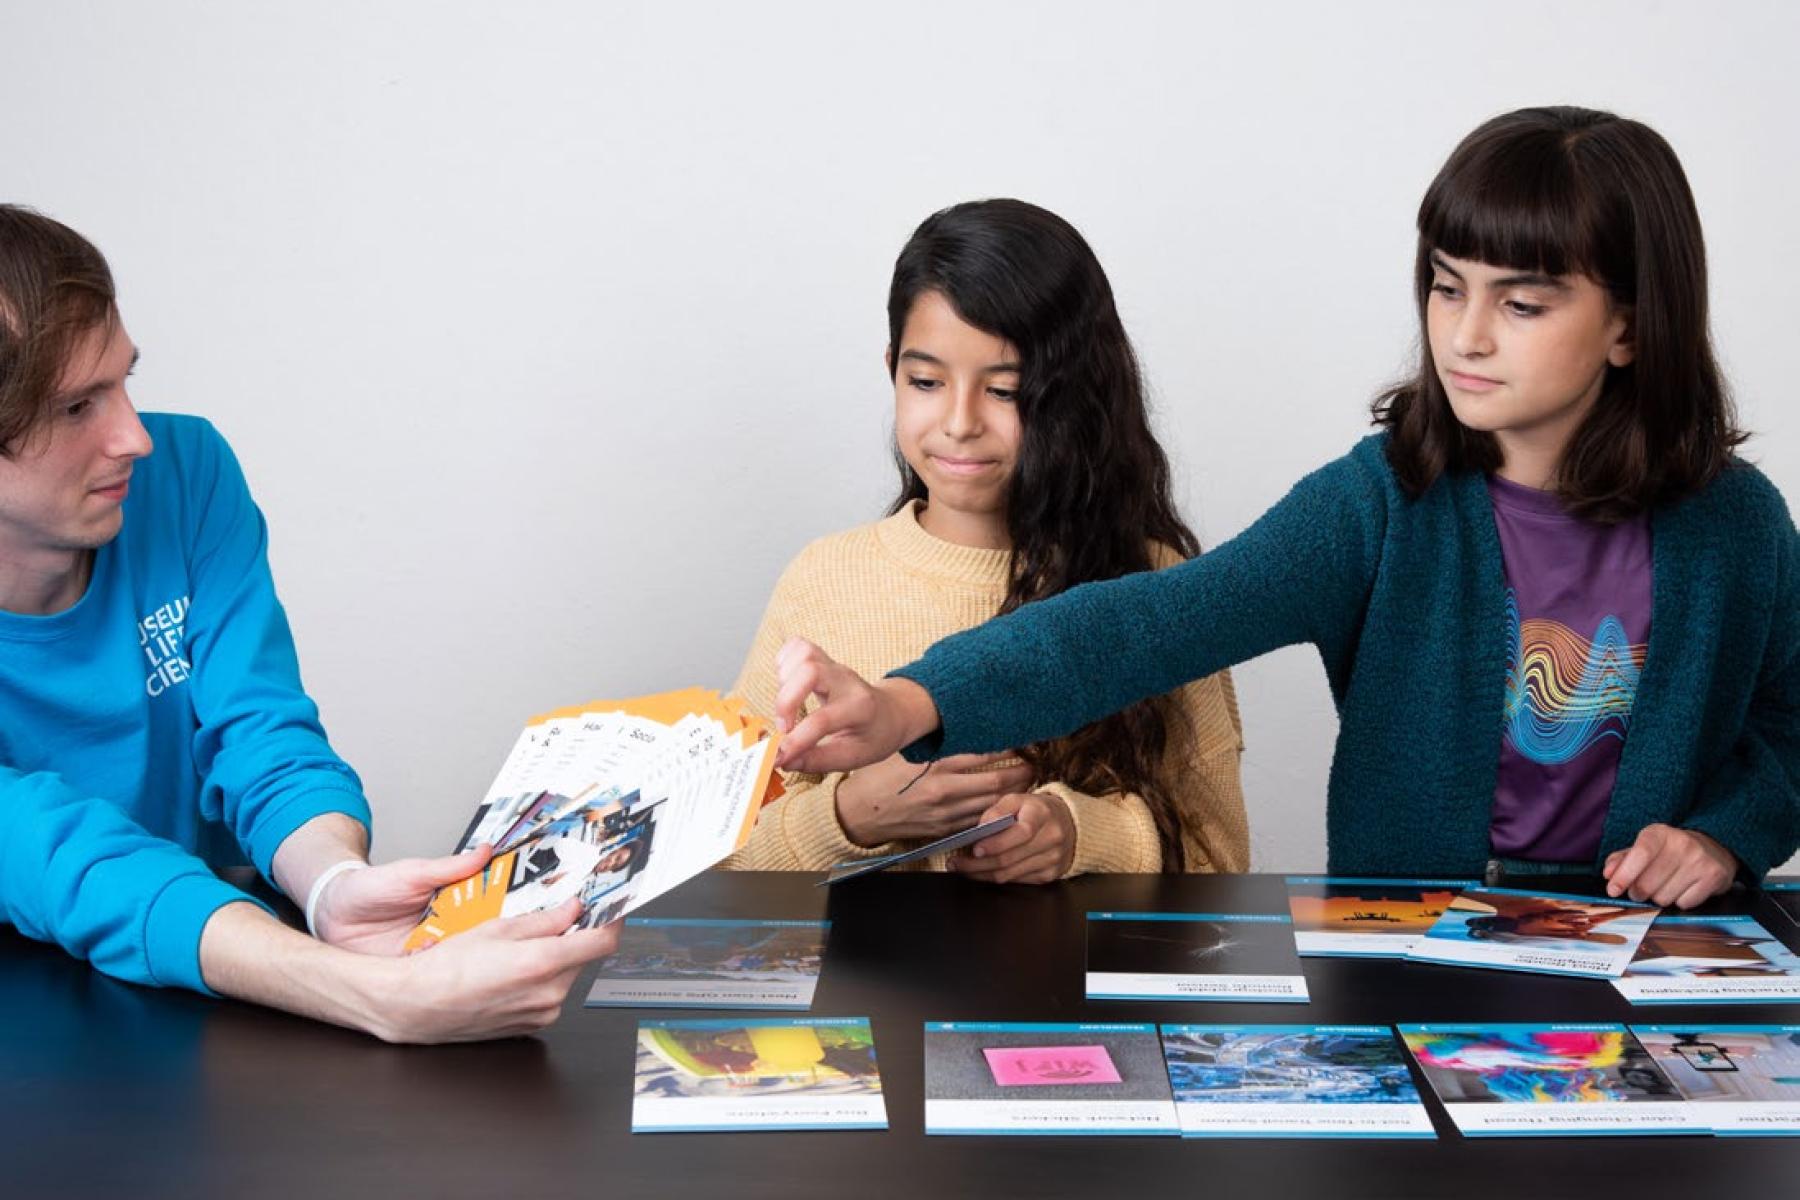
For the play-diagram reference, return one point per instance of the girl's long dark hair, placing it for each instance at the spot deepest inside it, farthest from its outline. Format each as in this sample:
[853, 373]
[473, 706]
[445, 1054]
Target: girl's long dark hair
[1091, 492]
[1572, 191]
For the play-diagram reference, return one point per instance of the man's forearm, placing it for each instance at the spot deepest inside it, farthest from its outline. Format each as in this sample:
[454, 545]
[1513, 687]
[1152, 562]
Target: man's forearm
[323, 841]
[248, 955]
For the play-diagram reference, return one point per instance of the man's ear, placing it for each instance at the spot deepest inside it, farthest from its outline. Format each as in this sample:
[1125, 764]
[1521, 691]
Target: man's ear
[887, 356]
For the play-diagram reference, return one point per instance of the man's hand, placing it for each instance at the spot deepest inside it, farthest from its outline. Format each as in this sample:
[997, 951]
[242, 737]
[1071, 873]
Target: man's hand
[856, 724]
[1038, 848]
[898, 799]
[372, 911]
[1670, 867]
[502, 979]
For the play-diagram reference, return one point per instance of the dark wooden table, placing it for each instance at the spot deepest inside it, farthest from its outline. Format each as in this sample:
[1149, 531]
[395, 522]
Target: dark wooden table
[111, 1090]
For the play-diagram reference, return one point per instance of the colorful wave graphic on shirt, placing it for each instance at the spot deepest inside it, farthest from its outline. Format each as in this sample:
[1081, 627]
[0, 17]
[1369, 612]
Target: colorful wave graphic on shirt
[1564, 692]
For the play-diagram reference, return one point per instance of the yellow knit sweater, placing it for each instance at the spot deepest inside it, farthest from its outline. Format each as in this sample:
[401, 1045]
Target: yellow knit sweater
[874, 598]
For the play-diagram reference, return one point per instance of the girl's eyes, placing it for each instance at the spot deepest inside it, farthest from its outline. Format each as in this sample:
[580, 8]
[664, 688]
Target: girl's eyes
[1005, 394]
[923, 383]
[1522, 309]
[1447, 291]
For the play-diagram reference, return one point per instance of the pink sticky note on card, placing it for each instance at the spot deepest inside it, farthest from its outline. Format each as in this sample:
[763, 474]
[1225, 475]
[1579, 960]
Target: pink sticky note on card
[1026, 1066]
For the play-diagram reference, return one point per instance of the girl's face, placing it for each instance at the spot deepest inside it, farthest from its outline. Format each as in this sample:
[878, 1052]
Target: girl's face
[955, 420]
[1522, 355]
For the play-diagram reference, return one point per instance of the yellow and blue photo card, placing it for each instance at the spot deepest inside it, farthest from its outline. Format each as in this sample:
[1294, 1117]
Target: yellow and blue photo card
[756, 1073]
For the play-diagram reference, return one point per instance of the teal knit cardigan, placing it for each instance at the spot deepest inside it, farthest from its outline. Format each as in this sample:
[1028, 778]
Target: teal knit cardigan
[1405, 599]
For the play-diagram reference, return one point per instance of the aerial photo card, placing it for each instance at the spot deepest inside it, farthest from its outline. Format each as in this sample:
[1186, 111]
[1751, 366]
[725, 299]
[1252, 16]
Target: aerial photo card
[1716, 960]
[1743, 1080]
[1091, 1078]
[1548, 1081]
[1292, 1081]
[682, 962]
[1351, 917]
[1513, 930]
[1193, 956]
[756, 1073]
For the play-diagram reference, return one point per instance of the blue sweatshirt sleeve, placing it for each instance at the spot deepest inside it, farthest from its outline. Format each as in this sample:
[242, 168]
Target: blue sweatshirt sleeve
[77, 871]
[1301, 573]
[260, 748]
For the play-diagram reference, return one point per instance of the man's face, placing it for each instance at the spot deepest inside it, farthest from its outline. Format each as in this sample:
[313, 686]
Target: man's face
[62, 487]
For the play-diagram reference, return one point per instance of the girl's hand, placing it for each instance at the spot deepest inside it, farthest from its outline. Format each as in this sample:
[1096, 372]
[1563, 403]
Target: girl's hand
[899, 799]
[1037, 849]
[1670, 866]
[857, 723]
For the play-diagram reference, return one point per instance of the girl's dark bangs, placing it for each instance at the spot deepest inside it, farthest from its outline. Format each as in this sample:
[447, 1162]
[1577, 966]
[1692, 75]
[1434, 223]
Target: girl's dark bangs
[1522, 209]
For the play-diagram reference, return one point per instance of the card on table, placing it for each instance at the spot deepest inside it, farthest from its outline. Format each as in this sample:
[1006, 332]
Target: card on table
[1541, 932]
[678, 962]
[1710, 960]
[1786, 895]
[1743, 1080]
[1512, 1080]
[1330, 1081]
[756, 1073]
[1087, 1078]
[1193, 956]
[1352, 917]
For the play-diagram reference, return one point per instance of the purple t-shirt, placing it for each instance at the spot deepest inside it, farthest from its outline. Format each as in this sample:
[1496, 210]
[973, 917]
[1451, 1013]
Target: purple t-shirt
[1578, 607]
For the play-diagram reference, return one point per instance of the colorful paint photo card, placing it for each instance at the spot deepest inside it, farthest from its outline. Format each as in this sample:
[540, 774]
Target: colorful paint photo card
[679, 962]
[1743, 1080]
[1548, 1080]
[1246, 957]
[759, 1073]
[1711, 960]
[1300, 1081]
[1056, 1079]
[1350, 917]
[1545, 933]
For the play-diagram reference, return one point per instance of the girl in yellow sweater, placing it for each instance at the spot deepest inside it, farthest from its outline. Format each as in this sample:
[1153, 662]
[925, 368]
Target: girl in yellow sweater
[1027, 466]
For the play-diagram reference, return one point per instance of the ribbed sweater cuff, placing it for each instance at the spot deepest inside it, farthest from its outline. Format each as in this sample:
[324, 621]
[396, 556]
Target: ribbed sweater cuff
[173, 925]
[1112, 833]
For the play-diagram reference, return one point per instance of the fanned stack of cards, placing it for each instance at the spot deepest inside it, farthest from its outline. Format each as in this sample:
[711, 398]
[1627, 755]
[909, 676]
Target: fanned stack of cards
[615, 802]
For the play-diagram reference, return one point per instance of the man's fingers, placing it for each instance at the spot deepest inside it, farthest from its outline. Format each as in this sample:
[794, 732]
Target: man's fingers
[454, 868]
[533, 925]
[984, 783]
[1657, 875]
[798, 681]
[1698, 892]
[971, 762]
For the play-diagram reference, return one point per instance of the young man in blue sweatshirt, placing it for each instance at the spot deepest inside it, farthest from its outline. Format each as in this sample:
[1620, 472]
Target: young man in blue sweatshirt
[152, 721]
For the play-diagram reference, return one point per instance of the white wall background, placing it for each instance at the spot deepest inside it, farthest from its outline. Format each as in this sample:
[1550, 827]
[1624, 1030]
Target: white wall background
[547, 332]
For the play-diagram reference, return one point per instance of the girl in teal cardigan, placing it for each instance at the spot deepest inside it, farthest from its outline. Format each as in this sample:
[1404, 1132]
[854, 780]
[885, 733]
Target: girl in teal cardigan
[1560, 620]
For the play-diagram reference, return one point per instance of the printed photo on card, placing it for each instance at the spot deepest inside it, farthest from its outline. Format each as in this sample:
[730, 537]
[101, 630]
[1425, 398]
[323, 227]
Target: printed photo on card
[677, 962]
[1074, 1079]
[1710, 960]
[1193, 956]
[1343, 916]
[1301, 1081]
[1743, 1080]
[1538, 932]
[757, 1073]
[1548, 1080]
